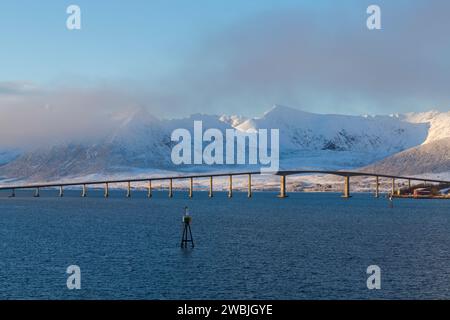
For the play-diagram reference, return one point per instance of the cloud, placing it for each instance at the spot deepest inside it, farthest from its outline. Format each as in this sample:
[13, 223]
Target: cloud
[47, 117]
[325, 60]
[15, 88]
[319, 58]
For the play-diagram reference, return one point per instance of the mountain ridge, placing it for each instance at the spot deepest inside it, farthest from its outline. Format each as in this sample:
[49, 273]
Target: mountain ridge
[141, 142]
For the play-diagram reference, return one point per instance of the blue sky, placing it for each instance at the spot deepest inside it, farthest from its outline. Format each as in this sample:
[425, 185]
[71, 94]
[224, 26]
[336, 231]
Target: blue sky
[118, 38]
[180, 57]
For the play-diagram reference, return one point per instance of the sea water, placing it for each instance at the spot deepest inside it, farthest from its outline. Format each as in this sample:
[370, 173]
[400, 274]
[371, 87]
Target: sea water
[306, 246]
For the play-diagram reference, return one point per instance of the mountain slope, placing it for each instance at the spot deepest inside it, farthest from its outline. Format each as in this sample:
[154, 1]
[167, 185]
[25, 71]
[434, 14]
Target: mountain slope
[140, 142]
[8, 155]
[431, 157]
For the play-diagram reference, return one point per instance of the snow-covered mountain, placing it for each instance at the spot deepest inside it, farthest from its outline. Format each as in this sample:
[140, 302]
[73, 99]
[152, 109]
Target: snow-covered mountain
[233, 120]
[140, 143]
[376, 136]
[7, 155]
[439, 123]
[432, 157]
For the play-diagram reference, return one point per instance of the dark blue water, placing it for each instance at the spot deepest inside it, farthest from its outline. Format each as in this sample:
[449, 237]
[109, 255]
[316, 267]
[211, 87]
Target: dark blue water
[308, 246]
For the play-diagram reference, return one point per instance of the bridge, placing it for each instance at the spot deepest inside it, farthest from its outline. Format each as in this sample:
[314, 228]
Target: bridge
[346, 175]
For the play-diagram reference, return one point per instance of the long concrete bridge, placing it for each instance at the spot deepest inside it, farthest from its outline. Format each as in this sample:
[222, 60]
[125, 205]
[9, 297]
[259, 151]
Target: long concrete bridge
[346, 175]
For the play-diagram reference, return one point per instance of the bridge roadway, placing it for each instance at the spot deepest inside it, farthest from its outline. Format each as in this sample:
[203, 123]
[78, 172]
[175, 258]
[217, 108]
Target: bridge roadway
[283, 174]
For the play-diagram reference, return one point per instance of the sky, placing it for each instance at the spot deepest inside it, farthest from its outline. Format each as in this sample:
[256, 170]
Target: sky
[177, 57]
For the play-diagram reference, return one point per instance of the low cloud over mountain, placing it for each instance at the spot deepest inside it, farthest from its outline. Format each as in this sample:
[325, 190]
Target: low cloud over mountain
[140, 144]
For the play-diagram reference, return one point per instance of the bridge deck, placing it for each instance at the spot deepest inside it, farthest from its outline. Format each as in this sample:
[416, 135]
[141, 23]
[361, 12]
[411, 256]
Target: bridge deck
[208, 175]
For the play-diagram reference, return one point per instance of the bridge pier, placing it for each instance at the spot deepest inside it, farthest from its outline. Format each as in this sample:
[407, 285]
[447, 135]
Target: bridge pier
[408, 181]
[191, 187]
[149, 192]
[377, 187]
[282, 187]
[210, 187]
[129, 190]
[106, 194]
[346, 187]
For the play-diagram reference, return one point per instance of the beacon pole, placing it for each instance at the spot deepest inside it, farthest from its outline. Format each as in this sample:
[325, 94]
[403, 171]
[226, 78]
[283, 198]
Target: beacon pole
[187, 233]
